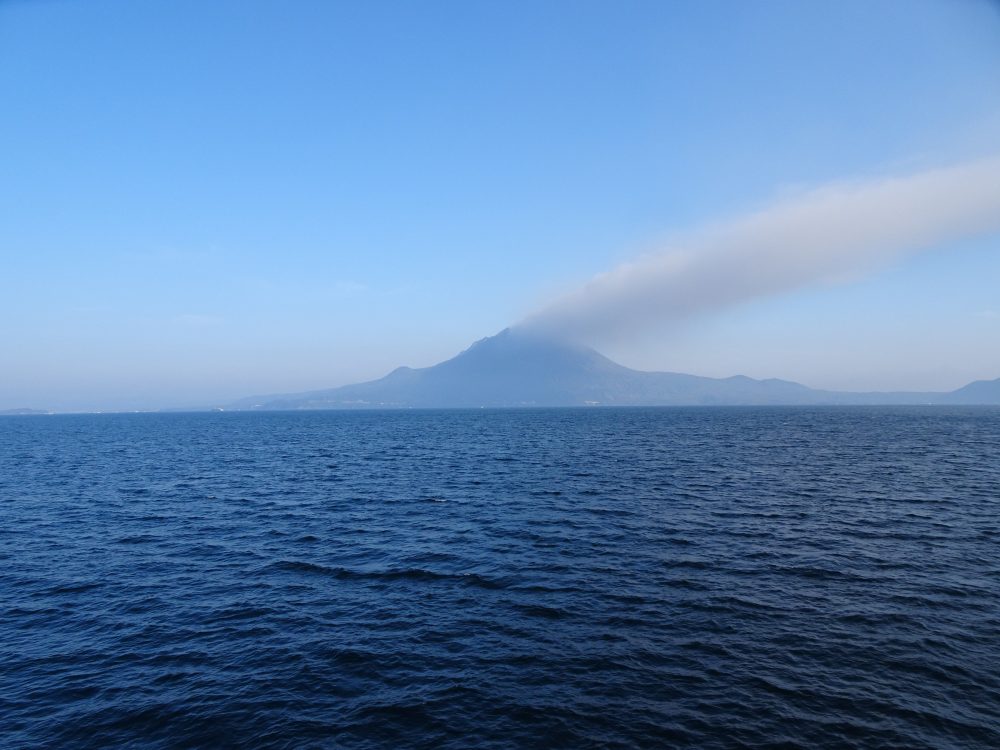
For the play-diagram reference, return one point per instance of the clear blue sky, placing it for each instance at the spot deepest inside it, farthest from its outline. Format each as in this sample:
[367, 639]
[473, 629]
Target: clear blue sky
[204, 200]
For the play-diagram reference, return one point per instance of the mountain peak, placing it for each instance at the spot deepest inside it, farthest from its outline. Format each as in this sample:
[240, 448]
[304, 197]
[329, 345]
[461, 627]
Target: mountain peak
[520, 353]
[523, 338]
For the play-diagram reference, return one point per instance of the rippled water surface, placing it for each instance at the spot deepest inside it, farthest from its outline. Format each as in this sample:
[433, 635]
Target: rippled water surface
[705, 578]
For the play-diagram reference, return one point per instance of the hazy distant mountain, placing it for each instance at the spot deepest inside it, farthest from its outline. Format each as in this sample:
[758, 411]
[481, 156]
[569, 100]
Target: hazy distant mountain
[517, 369]
[979, 392]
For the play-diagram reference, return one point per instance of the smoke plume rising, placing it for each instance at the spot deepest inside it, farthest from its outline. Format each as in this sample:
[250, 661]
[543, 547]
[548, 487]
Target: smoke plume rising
[825, 235]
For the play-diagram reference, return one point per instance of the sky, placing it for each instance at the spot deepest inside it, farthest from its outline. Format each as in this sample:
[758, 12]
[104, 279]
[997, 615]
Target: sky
[203, 201]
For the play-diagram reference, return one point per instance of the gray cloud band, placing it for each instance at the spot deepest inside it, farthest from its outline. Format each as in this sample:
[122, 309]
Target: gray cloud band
[825, 235]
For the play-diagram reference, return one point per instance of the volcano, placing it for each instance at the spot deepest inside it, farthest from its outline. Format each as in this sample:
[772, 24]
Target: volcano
[517, 368]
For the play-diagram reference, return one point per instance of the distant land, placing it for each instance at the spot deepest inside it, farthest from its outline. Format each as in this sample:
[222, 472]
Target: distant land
[514, 369]
[21, 412]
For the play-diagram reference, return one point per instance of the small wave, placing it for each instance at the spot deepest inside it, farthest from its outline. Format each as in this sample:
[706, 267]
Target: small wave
[137, 539]
[392, 574]
[690, 564]
[539, 610]
[817, 573]
[242, 612]
[687, 583]
[74, 588]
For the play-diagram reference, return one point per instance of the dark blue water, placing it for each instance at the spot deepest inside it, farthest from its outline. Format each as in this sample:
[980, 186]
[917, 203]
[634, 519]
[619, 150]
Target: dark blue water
[705, 578]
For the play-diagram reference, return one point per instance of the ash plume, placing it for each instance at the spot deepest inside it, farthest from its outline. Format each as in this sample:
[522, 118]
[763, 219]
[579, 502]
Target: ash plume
[830, 234]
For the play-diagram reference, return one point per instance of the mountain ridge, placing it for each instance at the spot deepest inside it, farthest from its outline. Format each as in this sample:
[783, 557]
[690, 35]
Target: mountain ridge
[516, 368]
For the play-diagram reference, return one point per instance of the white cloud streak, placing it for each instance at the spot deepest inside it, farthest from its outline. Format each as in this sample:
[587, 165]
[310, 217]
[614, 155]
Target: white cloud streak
[826, 235]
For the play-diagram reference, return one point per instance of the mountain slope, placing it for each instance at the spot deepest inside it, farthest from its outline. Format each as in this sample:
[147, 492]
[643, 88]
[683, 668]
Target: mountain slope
[978, 392]
[518, 369]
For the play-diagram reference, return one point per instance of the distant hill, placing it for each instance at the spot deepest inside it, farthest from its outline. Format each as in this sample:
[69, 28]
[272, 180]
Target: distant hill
[979, 392]
[21, 412]
[519, 369]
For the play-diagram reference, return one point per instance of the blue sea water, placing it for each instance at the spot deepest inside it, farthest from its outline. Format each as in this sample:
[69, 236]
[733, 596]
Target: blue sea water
[605, 578]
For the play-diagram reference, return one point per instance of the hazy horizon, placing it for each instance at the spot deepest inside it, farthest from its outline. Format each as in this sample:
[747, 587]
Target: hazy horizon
[312, 195]
[540, 343]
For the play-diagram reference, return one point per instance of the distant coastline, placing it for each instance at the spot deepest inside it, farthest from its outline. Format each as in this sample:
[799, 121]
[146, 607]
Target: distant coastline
[518, 369]
[514, 369]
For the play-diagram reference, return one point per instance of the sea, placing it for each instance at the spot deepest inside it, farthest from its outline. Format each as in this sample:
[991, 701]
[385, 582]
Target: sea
[524, 578]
